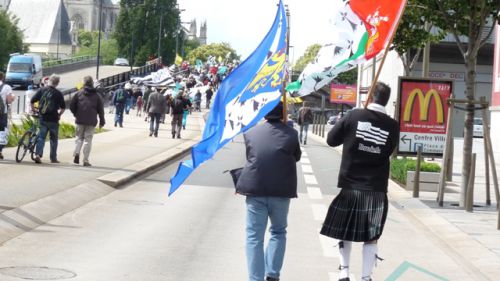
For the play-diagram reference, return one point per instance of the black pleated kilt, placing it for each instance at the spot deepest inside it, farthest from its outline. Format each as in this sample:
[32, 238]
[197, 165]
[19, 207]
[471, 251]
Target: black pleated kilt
[356, 215]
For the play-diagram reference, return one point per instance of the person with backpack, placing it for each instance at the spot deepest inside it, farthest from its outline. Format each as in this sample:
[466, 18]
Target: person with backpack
[51, 106]
[6, 98]
[86, 105]
[305, 118]
[179, 104]
[119, 100]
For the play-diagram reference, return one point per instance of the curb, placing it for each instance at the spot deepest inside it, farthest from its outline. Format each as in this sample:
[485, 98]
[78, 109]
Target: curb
[478, 260]
[27, 217]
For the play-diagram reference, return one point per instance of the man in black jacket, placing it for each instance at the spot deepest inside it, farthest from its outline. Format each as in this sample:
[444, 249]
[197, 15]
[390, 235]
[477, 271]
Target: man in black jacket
[86, 105]
[268, 180]
[358, 213]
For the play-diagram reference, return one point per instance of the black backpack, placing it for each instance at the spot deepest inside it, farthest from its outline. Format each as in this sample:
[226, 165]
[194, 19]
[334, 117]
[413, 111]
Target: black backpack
[47, 104]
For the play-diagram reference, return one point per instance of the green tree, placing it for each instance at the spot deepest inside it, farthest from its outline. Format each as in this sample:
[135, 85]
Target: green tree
[217, 50]
[413, 32]
[138, 29]
[88, 40]
[348, 77]
[469, 19]
[11, 39]
[189, 46]
[306, 58]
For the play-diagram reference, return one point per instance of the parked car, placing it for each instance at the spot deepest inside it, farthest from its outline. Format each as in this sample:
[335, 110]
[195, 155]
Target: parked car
[478, 127]
[121, 62]
[24, 70]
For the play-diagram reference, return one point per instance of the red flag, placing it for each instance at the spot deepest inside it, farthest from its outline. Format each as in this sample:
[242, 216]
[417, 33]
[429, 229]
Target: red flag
[381, 18]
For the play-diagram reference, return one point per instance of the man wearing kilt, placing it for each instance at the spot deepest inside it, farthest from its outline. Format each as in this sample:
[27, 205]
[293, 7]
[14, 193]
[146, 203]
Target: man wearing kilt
[359, 211]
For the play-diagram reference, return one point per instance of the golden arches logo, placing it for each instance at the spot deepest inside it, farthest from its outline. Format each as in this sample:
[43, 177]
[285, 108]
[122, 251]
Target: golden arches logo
[424, 102]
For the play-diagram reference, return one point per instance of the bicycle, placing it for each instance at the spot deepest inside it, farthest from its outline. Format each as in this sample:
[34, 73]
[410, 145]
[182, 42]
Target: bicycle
[28, 141]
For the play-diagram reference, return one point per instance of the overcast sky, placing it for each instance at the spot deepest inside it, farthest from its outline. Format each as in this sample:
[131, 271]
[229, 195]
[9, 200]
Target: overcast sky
[244, 23]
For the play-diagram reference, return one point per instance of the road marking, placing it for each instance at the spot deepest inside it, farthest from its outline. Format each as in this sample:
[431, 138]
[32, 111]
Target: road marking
[305, 160]
[307, 169]
[304, 153]
[310, 179]
[319, 211]
[314, 193]
[334, 276]
[329, 246]
[400, 270]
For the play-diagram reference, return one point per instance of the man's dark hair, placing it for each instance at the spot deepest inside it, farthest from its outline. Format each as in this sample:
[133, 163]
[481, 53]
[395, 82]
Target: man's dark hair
[381, 94]
[276, 114]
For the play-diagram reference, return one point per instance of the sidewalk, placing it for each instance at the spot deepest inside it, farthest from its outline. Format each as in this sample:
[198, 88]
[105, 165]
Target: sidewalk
[469, 239]
[120, 152]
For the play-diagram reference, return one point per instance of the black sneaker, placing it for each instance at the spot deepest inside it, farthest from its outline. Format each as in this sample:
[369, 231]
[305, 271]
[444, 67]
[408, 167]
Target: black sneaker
[86, 164]
[173, 135]
[37, 159]
[272, 279]
[76, 160]
[345, 279]
[1, 156]
[54, 161]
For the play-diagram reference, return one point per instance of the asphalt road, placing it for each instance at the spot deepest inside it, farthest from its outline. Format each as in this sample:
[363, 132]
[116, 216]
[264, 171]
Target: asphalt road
[139, 233]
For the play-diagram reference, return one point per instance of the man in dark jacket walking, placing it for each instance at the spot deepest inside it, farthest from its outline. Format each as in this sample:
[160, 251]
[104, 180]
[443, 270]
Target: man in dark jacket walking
[305, 118]
[157, 104]
[51, 107]
[179, 104]
[86, 105]
[268, 180]
[208, 94]
[358, 213]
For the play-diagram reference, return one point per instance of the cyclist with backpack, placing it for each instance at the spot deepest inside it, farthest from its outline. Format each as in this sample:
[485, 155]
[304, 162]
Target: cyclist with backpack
[51, 106]
[305, 118]
[119, 100]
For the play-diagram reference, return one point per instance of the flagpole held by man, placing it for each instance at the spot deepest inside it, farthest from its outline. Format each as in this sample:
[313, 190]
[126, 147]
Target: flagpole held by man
[244, 97]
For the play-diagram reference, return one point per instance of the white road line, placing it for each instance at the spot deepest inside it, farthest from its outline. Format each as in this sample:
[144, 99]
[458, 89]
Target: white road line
[305, 160]
[310, 179]
[307, 169]
[304, 153]
[319, 211]
[334, 276]
[329, 246]
[314, 193]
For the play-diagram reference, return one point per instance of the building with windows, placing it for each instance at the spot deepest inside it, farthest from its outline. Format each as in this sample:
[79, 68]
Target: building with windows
[192, 32]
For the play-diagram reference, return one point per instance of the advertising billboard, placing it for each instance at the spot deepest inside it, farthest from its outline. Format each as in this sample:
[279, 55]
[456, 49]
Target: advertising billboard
[423, 113]
[345, 94]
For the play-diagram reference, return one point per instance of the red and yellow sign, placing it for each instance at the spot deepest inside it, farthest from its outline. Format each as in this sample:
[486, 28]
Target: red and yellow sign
[345, 94]
[423, 111]
[423, 106]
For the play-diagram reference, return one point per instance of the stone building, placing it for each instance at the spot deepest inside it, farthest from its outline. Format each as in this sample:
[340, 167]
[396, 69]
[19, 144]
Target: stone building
[85, 14]
[192, 32]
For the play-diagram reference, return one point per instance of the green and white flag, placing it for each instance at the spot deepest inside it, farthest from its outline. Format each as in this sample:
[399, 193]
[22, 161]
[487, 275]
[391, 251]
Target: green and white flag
[363, 28]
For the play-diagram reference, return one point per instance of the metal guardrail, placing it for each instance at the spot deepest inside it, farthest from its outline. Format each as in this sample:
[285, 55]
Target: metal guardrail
[50, 63]
[114, 80]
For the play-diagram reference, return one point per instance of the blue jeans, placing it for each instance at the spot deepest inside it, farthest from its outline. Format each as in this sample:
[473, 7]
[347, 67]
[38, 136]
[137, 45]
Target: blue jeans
[154, 122]
[119, 108]
[53, 129]
[304, 128]
[259, 209]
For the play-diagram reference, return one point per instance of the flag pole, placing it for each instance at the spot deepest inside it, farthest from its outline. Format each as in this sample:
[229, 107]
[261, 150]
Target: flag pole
[283, 91]
[379, 70]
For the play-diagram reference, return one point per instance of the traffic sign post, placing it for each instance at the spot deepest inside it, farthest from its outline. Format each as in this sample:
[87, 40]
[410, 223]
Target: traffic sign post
[423, 115]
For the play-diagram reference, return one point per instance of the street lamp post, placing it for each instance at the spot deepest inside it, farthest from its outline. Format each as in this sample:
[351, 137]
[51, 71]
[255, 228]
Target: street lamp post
[99, 41]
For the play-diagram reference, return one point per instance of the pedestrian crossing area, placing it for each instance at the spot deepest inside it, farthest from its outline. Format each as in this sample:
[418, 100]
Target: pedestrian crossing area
[319, 210]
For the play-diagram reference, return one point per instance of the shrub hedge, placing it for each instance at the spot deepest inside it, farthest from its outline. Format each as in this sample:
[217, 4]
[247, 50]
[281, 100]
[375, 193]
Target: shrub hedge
[401, 166]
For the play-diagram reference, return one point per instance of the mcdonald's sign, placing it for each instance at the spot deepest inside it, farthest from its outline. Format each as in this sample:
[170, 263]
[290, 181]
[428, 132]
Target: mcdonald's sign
[424, 103]
[423, 110]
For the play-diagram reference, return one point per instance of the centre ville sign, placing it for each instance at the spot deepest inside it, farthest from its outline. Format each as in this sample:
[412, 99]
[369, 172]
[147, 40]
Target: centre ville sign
[423, 110]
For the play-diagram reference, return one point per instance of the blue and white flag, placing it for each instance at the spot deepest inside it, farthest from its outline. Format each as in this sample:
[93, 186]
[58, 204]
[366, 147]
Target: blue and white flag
[247, 94]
